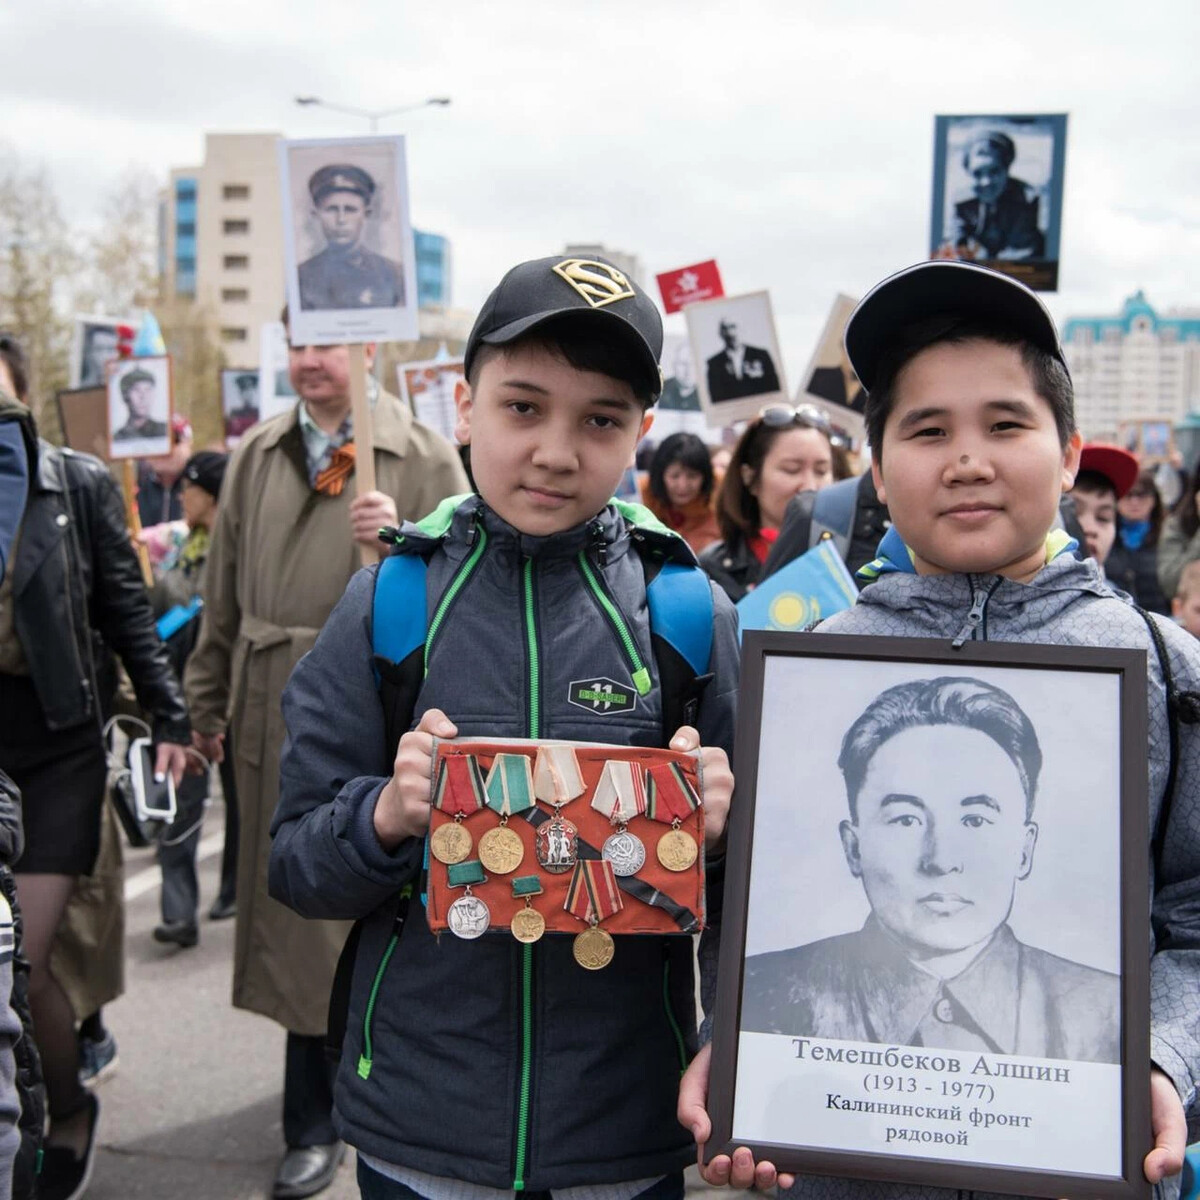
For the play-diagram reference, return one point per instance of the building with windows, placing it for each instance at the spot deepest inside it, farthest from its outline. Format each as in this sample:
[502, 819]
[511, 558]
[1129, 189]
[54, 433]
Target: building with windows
[1134, 365]
[629, 263]
[433, 269]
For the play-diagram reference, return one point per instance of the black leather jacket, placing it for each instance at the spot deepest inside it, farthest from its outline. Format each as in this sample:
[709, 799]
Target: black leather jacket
[75, 572]
[733, 566]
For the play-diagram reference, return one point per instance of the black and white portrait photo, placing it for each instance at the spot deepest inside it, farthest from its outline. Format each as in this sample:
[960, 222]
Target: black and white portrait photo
[829, 379]
[678, 409]
[998, 193]
[276, 394]
[350, 262]
[239, 402]
[93, 347]
[931, 907]
[734, 341]
[139, 408]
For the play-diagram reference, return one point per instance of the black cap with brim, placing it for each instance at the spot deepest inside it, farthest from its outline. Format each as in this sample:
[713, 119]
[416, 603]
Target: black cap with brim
[545, 290]
[943, 289]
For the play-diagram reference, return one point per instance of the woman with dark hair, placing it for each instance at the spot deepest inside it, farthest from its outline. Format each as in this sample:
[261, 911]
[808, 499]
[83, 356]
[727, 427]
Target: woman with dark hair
[1132, 563]
[679, 489]
[782, 452]
[1179, 543]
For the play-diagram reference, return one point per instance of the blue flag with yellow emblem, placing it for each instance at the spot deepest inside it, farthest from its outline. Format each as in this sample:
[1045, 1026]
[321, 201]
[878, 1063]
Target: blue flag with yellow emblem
[810, 588]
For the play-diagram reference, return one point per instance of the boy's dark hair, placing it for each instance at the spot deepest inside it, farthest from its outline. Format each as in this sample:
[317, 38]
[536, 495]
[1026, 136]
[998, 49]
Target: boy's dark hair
[1048, 376]
[690, 452]
[946, 700]
[1095, 482]
[584, 346]
[13, 356]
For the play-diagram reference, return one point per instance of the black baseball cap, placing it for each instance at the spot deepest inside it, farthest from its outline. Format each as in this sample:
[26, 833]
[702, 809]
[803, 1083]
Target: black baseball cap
[943, 288]
[548, 289]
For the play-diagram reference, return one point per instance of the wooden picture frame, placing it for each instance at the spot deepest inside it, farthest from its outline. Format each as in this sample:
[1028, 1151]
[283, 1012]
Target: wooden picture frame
[805, 1071]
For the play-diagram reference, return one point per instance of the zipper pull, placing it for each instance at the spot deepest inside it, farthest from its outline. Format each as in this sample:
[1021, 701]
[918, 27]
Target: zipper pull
[974, 619]
[599, 545]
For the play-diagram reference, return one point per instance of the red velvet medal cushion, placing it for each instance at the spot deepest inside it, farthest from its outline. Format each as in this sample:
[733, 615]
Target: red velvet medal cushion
[685, 888]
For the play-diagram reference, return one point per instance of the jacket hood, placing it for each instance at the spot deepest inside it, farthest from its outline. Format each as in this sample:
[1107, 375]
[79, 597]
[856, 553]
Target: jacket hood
[454, 523]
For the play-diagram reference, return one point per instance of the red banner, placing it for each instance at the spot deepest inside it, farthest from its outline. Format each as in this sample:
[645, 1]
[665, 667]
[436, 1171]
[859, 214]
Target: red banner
[701, 281]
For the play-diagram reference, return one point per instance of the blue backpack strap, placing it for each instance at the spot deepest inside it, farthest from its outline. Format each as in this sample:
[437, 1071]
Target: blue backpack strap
[400, 613]
[681, 612]
[833, 513]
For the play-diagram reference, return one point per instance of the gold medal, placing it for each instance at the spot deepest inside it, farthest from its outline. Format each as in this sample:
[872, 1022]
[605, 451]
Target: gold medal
[593, 949]
[501, 850]
[450, 843]
[676, 850]
[528, 924]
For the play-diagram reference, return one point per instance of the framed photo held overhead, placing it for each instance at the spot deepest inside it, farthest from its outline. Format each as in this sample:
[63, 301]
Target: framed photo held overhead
[240, 406]
[428, 388]
[737, 355]
[935, 956]
[139, 407]
[348, 242]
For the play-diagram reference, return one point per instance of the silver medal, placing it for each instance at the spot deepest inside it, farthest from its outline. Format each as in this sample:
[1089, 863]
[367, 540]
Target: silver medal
[625, 851]
[556, 845]
[468, 917]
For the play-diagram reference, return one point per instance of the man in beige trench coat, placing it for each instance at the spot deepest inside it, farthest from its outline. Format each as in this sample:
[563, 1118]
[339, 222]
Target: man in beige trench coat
[285, 545]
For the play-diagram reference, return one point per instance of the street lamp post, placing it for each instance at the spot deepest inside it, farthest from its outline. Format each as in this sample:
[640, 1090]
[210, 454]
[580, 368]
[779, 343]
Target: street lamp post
[374, 116]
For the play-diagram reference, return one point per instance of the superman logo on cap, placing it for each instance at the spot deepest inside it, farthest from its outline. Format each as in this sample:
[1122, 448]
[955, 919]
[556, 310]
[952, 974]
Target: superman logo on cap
[597, 282]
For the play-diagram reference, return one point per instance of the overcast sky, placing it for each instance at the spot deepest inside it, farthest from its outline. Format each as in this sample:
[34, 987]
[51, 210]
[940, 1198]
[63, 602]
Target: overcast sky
[790, 139]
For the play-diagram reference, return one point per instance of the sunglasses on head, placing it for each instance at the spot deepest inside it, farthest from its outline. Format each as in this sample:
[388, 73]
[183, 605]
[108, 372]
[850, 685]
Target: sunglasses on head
[777, 416]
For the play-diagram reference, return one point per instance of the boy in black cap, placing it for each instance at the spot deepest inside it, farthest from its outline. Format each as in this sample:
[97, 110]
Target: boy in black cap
[476, 1069]
[970, 417]
[345, 274]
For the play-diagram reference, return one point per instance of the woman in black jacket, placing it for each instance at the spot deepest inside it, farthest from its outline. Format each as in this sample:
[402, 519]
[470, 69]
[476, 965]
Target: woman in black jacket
[1132, 563]
[73, 572]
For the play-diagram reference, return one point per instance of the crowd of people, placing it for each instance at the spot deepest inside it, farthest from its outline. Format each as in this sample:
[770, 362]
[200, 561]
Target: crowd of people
[263, 652]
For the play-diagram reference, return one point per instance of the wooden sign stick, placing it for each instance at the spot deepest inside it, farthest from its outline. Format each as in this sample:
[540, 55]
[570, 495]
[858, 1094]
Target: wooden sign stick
[364, 440]
[134, 520]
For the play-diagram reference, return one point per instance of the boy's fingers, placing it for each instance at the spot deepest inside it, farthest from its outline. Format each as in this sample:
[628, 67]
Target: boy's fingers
[1170, 1129]
[741, 1174]
[437, 723]
[686, 738]
[693, 1097]
[717, 1171]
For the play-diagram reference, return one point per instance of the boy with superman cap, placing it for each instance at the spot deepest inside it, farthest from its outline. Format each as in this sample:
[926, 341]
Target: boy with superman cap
[476, 1069]
[970, 418]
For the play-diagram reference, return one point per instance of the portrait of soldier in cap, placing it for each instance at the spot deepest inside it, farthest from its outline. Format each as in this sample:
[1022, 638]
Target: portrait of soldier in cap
[139, 391]
[345, 274]
[1000, 218]
[941, 778]
[240, 395]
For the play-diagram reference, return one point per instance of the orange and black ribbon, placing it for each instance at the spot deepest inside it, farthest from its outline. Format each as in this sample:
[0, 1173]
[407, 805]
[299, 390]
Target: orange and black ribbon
[669, 795]
[593, 894]
[333, 478]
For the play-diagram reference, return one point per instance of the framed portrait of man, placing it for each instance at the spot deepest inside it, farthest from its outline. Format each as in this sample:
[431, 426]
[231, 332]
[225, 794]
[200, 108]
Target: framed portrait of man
[276, 394]
[93, 347]
[348, 241]
[997, 193]
[139, 408]
[428, 387]
[736, 352]
[935, 954]
[240, 405]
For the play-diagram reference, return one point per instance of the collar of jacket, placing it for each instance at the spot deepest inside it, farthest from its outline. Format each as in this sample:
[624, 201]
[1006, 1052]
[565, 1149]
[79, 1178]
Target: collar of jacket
[48, 477]
[894, 556]
[454, 522]
[391, 426]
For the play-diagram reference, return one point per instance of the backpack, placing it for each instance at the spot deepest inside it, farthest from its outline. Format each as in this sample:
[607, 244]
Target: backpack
[680, 602]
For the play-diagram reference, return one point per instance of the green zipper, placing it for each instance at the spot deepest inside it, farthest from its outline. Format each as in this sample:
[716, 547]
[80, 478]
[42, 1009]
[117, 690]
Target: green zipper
[456, 586]
[535, 725]
[683, 1060]
[641, 676]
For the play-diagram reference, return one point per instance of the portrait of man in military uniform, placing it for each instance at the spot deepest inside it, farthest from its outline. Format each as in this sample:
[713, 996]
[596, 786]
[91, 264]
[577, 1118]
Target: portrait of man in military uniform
[345, 274]
[139, 392]
[240, 400]
[941, 778]
[1000, 219]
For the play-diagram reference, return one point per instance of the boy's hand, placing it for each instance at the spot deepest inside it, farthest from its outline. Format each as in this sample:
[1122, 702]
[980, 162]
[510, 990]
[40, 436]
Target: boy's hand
[403, 807]
[1169, 1126]
[369, 513]
[718, 782]
[740, 1171]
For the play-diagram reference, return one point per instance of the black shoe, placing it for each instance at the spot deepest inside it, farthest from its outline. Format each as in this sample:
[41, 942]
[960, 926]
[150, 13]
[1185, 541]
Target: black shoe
[222, 910]
[183, 934]
[307, 1170]
[63, 1176]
